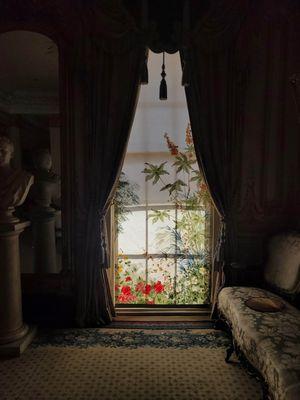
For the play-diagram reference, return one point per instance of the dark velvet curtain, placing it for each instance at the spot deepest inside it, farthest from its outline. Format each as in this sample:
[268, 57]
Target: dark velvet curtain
[214, 100]
[104, 91]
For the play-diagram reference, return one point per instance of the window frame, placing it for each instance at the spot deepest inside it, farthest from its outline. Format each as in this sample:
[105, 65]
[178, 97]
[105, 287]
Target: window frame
[147, 256]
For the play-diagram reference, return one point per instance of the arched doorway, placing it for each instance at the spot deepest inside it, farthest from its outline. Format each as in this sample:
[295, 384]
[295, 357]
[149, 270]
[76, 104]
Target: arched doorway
[29, 117]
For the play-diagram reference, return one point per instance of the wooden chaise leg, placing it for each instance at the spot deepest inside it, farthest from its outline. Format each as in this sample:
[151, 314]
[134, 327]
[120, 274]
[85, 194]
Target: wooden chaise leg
[265, 391]
[229, 352]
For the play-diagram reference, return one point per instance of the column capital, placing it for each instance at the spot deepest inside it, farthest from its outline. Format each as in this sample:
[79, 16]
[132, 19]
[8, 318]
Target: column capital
[13, 227]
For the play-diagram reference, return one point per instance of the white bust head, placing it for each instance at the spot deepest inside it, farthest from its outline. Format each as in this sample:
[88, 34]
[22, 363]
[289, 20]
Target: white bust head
[14, 184]
[43, 160]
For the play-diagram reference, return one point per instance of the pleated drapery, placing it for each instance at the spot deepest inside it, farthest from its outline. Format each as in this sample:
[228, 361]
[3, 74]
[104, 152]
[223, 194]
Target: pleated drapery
[105, 82]
[213, 98]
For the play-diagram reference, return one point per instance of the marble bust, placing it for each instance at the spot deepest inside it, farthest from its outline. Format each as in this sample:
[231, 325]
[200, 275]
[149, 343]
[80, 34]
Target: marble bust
[46, 185]
[14, 183]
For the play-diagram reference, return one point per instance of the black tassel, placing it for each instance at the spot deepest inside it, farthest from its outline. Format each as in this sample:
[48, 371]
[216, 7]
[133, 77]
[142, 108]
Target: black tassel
[163, 90]
[144, 72]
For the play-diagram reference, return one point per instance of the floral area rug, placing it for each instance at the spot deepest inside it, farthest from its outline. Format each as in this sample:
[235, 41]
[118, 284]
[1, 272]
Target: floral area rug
[111, 364]
[133, 339]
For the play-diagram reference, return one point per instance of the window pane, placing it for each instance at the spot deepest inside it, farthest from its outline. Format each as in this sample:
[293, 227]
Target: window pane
[132, 238]
[161, 273]
[161, 231]
[191, 232]
[154, 193]
[192, 283]
[130, 280]
[132, 168]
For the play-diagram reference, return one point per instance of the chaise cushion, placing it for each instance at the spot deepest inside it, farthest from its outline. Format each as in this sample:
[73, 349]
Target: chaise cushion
[282, 271]
[270, 341]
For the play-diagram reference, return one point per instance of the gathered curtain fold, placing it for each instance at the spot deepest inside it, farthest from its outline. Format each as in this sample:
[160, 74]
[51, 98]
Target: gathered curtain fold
[214, 99]
[104, 96]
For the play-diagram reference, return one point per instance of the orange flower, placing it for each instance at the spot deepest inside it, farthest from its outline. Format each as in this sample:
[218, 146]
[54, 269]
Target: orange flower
[202, 187]
[188, 135]
[171, 145]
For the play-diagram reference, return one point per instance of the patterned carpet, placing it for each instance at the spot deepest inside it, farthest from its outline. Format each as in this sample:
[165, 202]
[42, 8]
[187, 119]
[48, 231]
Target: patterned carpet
[111, 364]
[161, 325]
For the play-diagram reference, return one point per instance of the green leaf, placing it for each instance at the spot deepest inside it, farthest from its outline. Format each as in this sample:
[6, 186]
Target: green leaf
[197, 176]
[176, 186]
[183, 163]
[154, 172]
[159, 215]
[166, 187]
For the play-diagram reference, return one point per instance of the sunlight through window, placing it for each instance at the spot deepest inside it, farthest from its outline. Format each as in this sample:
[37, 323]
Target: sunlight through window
[163, 210]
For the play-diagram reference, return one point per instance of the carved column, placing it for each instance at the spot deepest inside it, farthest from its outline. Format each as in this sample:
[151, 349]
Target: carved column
[15, 336]
[44, 215]
[54, 131]
[44, 240]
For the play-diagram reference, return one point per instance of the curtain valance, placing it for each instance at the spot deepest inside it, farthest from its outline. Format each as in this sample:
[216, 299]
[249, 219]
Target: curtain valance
[218, 28]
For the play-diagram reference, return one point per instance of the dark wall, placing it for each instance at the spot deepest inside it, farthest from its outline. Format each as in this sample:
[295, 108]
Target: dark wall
[269, 198]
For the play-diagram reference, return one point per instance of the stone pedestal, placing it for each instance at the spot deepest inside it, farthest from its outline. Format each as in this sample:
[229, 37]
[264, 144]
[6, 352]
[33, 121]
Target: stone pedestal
[14, 334]
[44, 241]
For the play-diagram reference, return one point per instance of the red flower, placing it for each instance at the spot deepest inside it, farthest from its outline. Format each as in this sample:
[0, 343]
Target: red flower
[159, 287]
[150, 301]
[147, 289]
[122, 298]
[126, 290]
[128, 279]
[117, 287]
[140, 287]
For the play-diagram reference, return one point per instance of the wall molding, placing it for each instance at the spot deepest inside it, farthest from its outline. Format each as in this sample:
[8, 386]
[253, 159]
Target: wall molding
[29, 102]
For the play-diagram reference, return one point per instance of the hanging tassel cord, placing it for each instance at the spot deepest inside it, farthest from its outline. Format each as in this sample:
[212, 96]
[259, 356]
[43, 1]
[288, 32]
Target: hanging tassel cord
[163, 67]
[163, 91]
